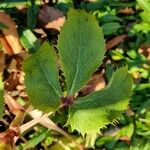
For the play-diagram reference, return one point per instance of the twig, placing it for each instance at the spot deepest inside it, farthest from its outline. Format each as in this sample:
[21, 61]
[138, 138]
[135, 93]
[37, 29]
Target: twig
[48, 123]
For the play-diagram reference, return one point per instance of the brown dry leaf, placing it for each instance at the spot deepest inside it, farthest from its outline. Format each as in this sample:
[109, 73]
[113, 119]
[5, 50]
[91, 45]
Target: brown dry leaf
[10, 34]
[96, 83]
[6, 46]
[125, 139]
[20, 87]
[145, 50]
[23, 94]
[129, 112]
[41, 32]
[7, 139]
[13, 105]
[24, 55]
[2, 61]
[12, 81]
[115, 41]
[14, 93]
[21, 79]
[51, 18]
[127, 11]
[12, 66]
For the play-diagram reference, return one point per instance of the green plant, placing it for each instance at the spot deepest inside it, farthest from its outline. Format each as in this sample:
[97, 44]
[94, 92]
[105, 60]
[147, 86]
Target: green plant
[81, 48]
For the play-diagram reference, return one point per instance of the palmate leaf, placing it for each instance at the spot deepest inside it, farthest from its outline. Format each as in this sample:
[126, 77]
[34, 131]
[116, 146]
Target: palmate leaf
[95, 111]
[1, 98]
[41, 79]
[81, 48]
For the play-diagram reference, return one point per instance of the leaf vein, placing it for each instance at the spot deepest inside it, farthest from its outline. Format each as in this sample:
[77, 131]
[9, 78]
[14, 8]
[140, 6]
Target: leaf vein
[46, 77]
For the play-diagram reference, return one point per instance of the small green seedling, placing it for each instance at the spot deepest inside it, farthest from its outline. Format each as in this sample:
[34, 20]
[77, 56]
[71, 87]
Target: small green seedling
[81, 49]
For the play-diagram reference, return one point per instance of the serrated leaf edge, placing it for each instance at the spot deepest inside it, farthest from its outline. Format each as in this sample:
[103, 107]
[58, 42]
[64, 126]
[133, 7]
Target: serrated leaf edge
[112, 122]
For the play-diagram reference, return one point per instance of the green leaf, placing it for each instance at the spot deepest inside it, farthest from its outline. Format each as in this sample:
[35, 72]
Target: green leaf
[111, 28]
[81, 48]
[126, 131]
[29, 40]
[145, 16]
[1, 98]
[109, 18]
[32, 14]
[15, 3]
[41, 79]
[106, 141]
[34, 141]
[145, 4]
[142, 27]
[95, 111]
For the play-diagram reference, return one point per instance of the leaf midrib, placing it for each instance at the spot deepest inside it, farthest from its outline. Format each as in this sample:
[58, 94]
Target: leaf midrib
[77, 66]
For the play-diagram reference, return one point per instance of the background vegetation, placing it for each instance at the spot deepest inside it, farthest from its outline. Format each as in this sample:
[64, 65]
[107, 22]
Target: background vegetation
[126, 28]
